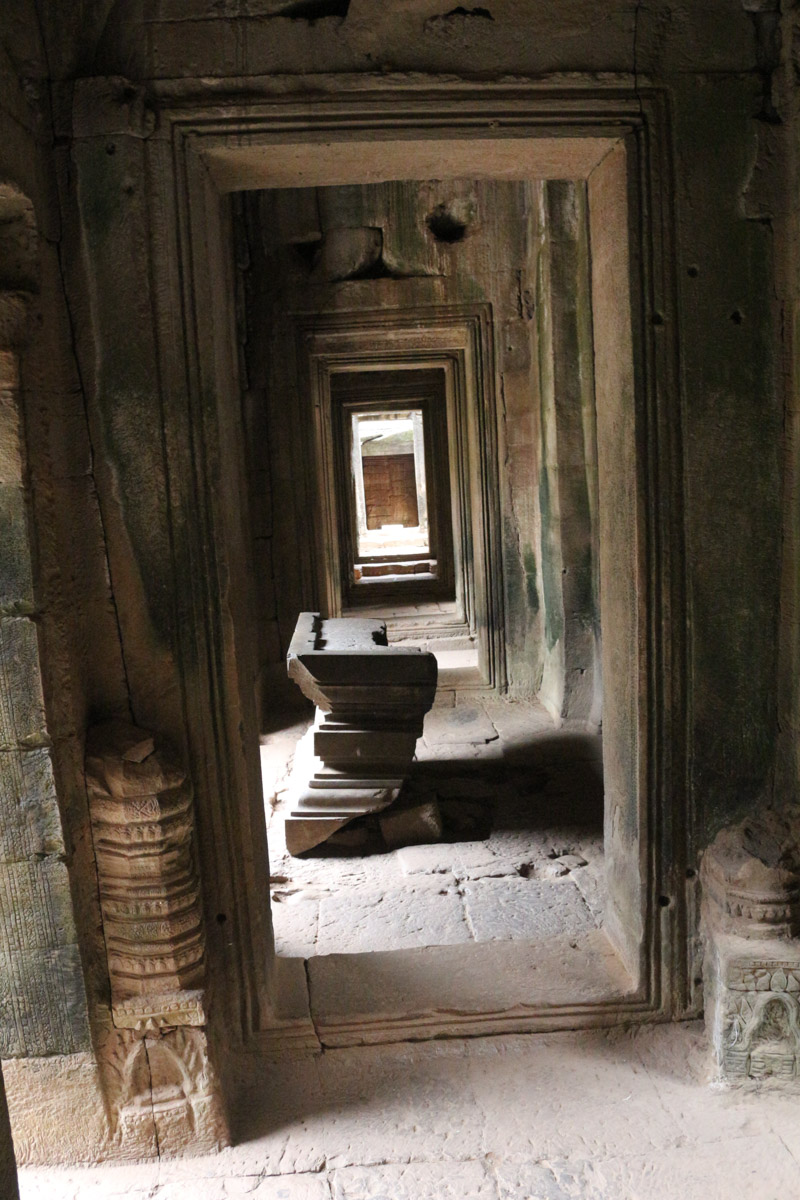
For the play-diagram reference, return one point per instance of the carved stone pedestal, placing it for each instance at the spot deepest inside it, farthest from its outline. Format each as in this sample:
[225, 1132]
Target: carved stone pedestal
[751, 906]
[371, 701]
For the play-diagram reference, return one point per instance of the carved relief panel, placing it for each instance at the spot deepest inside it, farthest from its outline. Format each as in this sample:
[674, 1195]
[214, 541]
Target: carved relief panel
[142, 826]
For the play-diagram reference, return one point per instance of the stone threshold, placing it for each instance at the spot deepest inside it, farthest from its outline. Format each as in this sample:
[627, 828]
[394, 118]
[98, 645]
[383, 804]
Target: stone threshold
[465, 990]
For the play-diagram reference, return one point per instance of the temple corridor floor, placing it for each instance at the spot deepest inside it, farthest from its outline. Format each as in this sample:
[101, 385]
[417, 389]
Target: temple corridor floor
[623, 1114]
[520, 856]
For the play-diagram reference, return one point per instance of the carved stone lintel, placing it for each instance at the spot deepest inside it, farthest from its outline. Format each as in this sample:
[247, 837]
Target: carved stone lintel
[752, 963]
[142, 826]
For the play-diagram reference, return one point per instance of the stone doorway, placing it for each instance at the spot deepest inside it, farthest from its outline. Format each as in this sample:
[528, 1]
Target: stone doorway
[498, 835]
[612, 143]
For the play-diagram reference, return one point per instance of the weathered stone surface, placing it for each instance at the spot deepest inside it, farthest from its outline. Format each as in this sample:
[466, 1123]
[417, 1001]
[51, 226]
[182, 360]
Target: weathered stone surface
[704, 58]
[30, 823]
[8, 1167]
[751, 902]
[16, 580]
[502, 909]
[295, 922]
[485, 987]
[413, 823]
[11, 461]
[408, 1181]
[143, 826]
[571, 1116]
[428, 860]
[751, 876]
[396, 919]
[465, 723]
[162, 1091]
[22, 717]
[42, 1002]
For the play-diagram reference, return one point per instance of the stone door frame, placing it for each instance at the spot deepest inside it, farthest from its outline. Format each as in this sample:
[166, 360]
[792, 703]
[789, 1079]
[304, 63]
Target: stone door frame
[456, 339]
[195, 143]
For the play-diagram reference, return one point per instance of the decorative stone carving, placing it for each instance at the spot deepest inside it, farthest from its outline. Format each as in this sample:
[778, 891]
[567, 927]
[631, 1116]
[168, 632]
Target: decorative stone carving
[162, 1093]
[142, 826]
[371, 701]
[751, 876]
[760, 1033]
[751, 895]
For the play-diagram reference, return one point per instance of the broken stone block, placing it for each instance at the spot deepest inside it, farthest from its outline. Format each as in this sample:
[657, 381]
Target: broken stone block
[553, 868]
[411, 825]
[571, 862]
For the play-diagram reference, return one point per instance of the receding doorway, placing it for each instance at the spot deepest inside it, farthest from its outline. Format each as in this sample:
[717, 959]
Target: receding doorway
[612, 141]
[453, 489]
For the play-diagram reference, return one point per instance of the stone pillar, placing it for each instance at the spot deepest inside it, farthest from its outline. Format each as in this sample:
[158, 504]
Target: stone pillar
[159, 1081]
[751, 925]
[571, 685]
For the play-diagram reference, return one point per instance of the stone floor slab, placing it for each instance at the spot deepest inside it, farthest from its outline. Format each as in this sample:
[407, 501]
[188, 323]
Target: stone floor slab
[598, 1115]
[466, 723]
[295, 926]
[758, 1168]
[581, 1097]
[515, 908]
[430, 913]
[416, 1181]
[474, 987]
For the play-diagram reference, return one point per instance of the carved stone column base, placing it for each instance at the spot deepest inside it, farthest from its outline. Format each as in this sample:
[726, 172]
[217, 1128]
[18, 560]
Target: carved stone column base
[321, 802]
[752, 1002]
[163, 1098]
[752, 951]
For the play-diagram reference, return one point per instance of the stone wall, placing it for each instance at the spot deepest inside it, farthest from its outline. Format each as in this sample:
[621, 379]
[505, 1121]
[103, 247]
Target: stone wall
[390, 490]
[706, 57]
